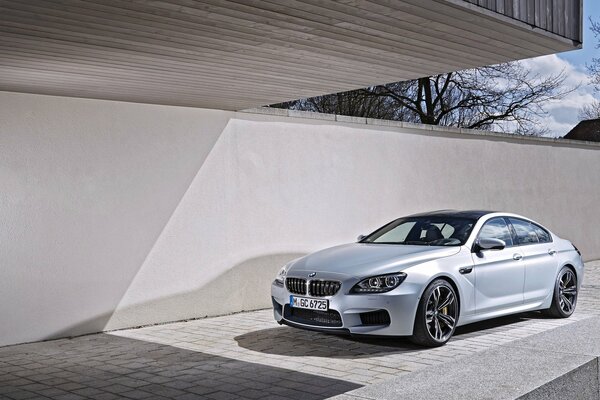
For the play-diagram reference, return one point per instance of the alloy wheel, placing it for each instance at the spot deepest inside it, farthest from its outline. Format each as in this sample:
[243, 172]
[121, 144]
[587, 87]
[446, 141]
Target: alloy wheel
[567, 291]
[441, 313]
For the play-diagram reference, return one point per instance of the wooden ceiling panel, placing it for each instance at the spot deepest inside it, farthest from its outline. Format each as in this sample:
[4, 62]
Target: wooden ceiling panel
[246, 53]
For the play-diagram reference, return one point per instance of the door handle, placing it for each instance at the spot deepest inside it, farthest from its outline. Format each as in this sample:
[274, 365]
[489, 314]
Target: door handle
[465, 270]
[517, 256]
[552, 252]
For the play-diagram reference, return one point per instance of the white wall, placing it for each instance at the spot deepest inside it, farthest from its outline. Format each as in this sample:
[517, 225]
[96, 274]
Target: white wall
[118, 214]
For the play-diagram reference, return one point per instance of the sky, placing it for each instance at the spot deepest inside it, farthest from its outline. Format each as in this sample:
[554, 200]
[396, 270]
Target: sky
[562, 114]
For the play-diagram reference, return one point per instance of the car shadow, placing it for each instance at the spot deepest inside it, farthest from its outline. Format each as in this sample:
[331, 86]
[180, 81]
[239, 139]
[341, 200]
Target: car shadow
[290, 341]
[494, 325]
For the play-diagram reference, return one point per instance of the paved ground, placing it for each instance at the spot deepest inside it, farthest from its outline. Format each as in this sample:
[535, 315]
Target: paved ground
[244, 356]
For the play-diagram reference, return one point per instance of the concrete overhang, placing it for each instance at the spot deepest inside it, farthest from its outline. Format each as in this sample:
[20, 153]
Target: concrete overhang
[239, 54]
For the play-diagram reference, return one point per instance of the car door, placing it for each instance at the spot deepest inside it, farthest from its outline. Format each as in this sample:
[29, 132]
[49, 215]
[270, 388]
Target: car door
[499, 274]
[539, 258]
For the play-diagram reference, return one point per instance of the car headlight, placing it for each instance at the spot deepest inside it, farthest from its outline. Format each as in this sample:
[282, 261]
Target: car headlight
[281, 275]
[379, 283]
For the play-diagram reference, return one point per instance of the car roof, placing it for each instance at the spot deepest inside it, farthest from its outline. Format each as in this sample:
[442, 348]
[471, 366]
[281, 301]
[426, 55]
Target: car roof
[472, 214]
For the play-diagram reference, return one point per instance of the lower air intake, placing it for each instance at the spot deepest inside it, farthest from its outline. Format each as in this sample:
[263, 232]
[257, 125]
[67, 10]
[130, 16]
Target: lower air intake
[380, 317]
[330, 318]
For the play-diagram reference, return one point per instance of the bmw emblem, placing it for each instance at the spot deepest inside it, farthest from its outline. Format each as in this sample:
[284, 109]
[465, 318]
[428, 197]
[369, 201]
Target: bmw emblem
[312, 274]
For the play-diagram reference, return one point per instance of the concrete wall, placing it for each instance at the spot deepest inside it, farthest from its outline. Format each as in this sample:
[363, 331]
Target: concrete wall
[118, 214]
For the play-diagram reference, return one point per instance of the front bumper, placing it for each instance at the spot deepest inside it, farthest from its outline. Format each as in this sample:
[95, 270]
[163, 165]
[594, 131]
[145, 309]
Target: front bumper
[401, 305]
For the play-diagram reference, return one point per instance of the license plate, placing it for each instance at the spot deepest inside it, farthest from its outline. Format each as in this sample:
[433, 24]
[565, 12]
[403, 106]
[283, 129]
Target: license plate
[308, 303]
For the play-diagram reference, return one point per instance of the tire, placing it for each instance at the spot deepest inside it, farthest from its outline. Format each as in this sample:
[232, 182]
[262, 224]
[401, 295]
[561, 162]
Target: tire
[565, 294]
[436, 316]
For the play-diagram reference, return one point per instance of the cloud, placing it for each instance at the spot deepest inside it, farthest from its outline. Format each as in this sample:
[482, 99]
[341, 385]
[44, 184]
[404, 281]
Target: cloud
[562, 114]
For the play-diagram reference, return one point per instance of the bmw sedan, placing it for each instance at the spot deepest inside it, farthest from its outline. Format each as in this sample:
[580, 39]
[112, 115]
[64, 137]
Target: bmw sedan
[423, 275]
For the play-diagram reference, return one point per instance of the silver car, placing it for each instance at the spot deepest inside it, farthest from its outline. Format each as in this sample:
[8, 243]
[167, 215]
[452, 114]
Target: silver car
[424, 275]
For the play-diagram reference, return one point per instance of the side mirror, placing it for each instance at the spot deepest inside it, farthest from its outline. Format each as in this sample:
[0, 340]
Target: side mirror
[360, 238]
[488, 244]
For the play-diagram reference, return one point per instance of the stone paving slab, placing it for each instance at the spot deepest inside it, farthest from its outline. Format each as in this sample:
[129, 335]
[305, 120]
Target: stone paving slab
[504, 372]
[582, 338]
[248, 356]
[556, 364]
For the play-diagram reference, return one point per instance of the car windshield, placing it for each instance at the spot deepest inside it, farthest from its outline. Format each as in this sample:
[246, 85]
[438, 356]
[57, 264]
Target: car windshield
[424, 231]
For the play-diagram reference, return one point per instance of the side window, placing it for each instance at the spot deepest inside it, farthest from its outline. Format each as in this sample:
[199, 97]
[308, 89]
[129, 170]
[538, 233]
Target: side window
[525, 231]
[496, 228]
[542, 234]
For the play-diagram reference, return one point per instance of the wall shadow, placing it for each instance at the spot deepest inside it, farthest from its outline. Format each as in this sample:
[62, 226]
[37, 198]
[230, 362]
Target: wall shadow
[107, 366]
[109, 193]
[244, 287]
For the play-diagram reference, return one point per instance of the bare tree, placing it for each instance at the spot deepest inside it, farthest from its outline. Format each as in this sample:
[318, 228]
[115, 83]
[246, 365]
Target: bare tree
[589, 111]
[592, 111]
[500, 97]
[359, 103]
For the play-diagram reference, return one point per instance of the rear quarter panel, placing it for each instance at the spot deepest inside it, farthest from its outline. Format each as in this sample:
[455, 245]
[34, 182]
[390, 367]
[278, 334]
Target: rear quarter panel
[567, 255]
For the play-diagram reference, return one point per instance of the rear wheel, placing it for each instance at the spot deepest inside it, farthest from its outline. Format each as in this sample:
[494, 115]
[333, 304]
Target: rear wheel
[437, 315]
[565, 294]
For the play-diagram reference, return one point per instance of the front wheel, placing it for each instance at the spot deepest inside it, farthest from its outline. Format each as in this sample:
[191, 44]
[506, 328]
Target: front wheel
[565, 294]
[437, 315]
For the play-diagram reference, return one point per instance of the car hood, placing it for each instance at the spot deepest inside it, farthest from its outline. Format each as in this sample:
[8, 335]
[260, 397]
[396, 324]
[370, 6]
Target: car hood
[356, 259]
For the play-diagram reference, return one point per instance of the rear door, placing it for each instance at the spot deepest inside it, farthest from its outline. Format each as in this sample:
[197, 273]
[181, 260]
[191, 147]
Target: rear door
[499, 274]
[539, 257]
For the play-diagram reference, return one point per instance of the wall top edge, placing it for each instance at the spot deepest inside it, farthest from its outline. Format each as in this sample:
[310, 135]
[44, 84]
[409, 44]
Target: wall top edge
[280, 112]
